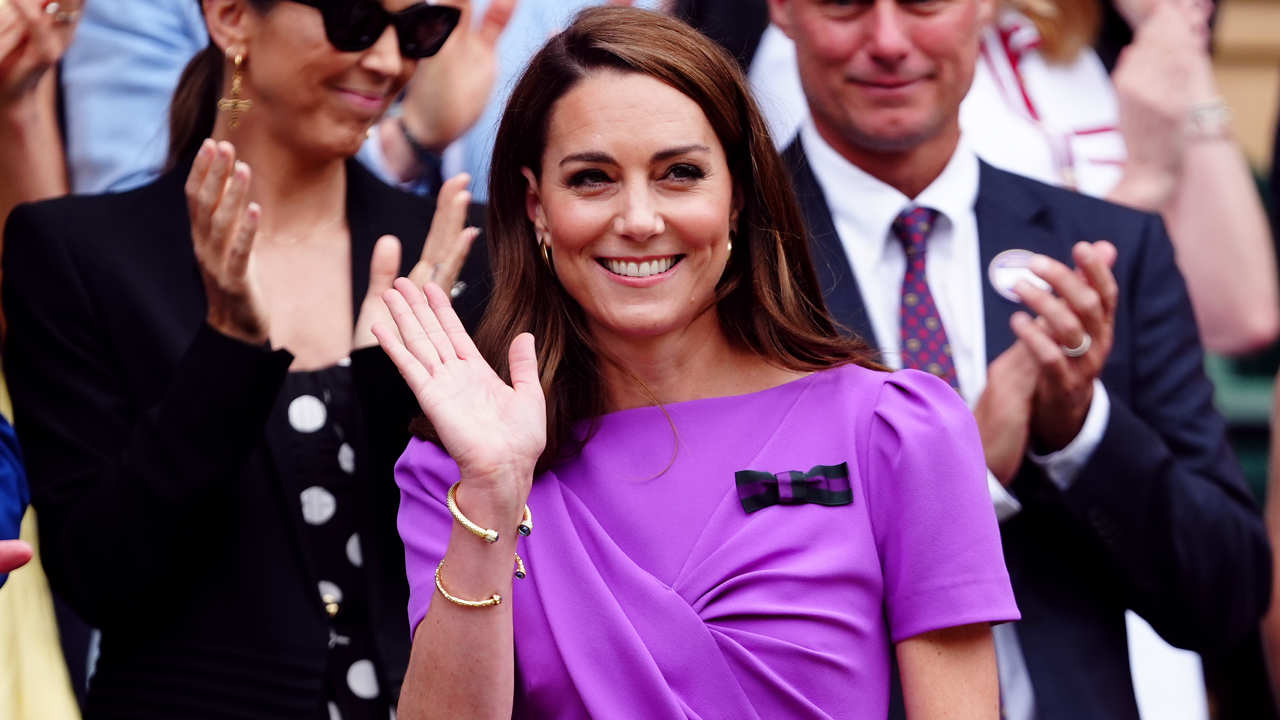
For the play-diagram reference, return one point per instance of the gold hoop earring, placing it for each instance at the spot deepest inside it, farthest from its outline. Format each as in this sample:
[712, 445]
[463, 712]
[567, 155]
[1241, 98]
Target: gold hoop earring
[546, 255]
[237, 103]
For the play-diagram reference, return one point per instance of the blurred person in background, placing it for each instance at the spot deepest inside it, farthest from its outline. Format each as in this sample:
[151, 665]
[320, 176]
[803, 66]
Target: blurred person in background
[1155, 136]
[210, 430]
[1110, 468]
[32, 40]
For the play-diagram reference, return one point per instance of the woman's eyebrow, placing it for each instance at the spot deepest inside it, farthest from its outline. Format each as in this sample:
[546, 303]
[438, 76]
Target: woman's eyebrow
[595, 156]
[590, 156]
[677, 151]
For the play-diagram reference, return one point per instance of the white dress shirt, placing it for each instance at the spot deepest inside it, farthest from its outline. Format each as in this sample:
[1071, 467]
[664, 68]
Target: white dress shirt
[863, 210]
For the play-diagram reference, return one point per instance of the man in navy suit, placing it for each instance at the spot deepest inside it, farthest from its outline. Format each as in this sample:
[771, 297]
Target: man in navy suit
[1109, 467]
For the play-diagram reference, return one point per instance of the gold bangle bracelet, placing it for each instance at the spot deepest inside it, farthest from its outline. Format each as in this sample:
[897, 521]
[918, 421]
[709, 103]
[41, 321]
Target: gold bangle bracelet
[488, 535]
[492, 601]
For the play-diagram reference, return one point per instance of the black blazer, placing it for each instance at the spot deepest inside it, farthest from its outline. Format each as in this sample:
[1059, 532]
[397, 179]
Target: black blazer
[163, 519]
[1159, 520]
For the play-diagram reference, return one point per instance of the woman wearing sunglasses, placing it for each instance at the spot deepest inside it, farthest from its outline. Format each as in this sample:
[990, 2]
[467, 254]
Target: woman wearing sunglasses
[210, 427]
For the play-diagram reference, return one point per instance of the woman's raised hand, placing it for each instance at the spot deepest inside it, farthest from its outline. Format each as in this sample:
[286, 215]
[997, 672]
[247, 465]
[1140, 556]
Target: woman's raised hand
[443, 254]
[224, 225]
[494, 431]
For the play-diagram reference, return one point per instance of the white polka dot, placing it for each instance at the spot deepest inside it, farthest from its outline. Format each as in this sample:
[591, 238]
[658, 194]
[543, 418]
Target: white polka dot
[362, 680]
[354, 553]
[345, 362]
[306, 413]
[393, 714]
[329, 590]
[333, 712]
[347, 458]
[318, 505]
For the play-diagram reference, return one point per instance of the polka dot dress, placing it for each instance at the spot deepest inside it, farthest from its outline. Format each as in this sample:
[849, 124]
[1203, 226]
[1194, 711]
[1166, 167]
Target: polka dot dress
[319, 465]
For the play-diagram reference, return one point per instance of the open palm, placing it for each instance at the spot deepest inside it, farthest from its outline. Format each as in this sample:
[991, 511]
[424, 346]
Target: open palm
[494, 431]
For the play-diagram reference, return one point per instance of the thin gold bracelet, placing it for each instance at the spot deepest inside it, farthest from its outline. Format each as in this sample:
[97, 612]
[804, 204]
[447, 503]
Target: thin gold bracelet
[488, 535]
[492, 601]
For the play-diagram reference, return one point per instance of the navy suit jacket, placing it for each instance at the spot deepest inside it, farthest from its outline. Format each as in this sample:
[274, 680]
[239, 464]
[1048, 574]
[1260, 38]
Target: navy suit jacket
[1159, 520]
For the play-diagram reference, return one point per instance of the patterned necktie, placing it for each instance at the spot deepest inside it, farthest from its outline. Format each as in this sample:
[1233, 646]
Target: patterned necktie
[924, 340]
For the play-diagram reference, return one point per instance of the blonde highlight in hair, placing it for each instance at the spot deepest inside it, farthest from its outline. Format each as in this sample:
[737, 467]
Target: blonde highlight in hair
[1066, 26]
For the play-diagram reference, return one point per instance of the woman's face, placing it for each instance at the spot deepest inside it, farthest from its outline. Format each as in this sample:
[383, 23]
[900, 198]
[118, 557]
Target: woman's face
[636, 200]
[313, 95]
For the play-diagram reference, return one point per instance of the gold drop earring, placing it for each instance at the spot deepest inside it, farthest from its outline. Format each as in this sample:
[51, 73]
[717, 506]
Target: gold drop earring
[543, 245]
[237, 103]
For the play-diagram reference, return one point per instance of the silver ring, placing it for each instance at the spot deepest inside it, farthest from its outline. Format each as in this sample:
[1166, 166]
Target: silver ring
[1086, 342]
[60, 16]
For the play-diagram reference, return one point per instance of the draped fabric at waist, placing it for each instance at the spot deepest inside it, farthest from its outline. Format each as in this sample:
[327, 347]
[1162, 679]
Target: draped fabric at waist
[598, 635]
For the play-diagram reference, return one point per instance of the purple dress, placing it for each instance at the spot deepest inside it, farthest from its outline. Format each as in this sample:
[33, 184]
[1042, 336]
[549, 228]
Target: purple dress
[761, 568]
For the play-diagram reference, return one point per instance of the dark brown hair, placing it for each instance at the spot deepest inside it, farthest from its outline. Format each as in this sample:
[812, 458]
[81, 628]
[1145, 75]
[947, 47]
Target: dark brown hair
[195, 102]
[768, 299]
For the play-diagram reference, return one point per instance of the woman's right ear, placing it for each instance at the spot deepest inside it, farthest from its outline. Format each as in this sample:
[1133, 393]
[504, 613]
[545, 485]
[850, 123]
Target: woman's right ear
[533, 202]
[230, 23]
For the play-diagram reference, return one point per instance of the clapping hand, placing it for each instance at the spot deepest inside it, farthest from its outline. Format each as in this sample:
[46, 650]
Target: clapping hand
[32, 41]
[443, 255]
[1004, 410]
[495, 432]
[224, 225]
[1070, 338]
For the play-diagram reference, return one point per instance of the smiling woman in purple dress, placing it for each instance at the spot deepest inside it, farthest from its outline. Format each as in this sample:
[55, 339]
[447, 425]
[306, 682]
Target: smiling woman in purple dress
[739, 515]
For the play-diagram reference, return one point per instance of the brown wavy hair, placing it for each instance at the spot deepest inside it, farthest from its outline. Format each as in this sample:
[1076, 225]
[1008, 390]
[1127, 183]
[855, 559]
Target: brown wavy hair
[768, 299]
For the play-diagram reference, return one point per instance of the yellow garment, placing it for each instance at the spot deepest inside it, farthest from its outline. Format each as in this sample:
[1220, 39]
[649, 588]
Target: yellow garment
[34, 684]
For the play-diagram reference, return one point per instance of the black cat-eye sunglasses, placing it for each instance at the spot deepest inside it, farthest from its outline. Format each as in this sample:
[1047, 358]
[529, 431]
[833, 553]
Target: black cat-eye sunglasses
[355, 25]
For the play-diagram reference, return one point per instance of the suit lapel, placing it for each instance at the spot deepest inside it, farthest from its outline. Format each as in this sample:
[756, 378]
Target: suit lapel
[835, 275]
[1008, 217]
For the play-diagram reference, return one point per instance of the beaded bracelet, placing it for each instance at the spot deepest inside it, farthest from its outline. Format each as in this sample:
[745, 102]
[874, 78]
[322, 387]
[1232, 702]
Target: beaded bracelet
[488, 535]
[492, 601]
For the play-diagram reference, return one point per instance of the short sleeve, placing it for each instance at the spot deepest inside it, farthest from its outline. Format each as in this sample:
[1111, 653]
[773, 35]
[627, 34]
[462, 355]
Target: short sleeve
[424, 474]
[935, 530]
